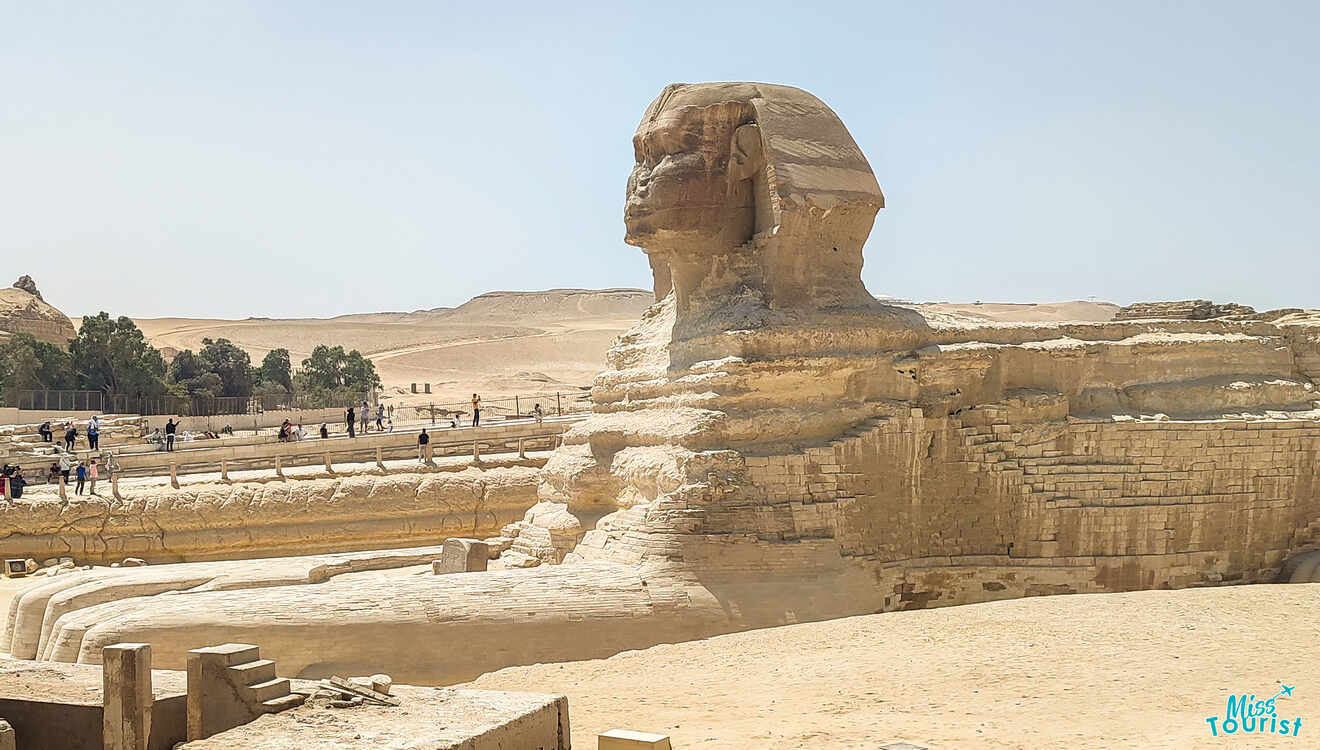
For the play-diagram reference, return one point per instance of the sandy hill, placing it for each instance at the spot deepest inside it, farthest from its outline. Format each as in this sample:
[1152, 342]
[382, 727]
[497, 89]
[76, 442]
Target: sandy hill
[498, 343]
[1138, 670]
[1012, 312]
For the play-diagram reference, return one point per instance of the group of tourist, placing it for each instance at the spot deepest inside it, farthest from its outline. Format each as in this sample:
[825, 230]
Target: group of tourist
[12, 481]
[354, 417]
[290, 432]
[71, 433]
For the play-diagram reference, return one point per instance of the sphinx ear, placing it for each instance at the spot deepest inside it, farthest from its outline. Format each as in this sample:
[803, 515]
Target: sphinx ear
[746, 156]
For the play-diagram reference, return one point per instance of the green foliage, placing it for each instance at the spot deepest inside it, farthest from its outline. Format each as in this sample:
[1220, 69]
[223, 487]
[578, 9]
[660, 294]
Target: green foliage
[30, 363]
[276, 369]
[330, 368]
[230, 364]
[113, 356]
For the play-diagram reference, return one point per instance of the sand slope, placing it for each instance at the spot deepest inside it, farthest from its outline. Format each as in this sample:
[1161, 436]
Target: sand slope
[1139, 670]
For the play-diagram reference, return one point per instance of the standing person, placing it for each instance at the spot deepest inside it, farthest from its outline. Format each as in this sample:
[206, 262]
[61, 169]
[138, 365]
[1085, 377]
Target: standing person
[70, 435]
[44, 432]
[536, 412]
[380, 417]
[171, 427]
[82, 477]
[300, 433]
[66, 465]
[92, 473]
[365, 416]
[17, 483]
[476, 410]
[93, 432]
[351, 422]
[325, 434]
[422, 441]
[391, 411]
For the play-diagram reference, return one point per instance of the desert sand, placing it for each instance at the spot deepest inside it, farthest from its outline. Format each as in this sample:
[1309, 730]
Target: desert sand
[1134, 670]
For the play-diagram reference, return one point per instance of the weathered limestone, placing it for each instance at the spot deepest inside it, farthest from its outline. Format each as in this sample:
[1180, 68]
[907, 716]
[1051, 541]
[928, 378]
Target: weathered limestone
[771, 445]
[461, 556]
[8, 741]
[1191, 309]
[22, 310]
[127, 696]
[251, 519]
[230, 685]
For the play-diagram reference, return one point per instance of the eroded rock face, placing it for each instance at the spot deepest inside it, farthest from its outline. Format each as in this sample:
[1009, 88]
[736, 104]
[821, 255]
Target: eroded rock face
[26, 283]
[22, 310]
[1191, 309]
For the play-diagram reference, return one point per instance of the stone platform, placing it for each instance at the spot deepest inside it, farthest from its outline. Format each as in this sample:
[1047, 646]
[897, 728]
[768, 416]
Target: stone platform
[427, 719]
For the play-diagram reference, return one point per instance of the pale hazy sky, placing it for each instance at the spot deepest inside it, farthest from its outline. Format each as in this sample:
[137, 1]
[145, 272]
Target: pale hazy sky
[317, 158]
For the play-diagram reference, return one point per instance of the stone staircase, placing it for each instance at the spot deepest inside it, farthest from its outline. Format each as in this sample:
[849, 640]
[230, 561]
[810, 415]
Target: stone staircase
[230, 685]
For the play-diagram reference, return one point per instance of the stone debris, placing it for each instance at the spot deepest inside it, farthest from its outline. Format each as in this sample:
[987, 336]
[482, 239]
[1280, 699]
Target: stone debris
[1191, 309]
[133, 562]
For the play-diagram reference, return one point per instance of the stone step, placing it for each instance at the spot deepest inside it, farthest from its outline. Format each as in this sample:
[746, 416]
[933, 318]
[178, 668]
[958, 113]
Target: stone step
[236, 653]
[270, 689]
[292, 700]
[253, 672]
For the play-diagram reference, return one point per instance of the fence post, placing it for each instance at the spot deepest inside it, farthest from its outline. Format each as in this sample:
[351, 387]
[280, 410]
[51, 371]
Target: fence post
[63, 495]
[380, 459]
[432, 414]
[7, 495]
[279, 468]
[328, 467]
[429, 454]
[522, 448]
[114, 485]
[559, 407]
[174, 475]
[476, 451]
[516, 411]
[224, 469]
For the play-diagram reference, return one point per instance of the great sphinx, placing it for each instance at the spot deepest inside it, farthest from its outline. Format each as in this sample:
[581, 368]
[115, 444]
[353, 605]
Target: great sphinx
[771, 445]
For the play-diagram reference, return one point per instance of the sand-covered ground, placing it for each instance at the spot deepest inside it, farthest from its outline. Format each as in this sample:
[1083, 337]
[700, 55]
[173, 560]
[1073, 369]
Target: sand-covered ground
[1139, 670]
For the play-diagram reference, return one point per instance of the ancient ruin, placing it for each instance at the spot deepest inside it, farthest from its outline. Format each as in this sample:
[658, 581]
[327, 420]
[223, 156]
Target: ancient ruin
[23, 310]
[772, 445]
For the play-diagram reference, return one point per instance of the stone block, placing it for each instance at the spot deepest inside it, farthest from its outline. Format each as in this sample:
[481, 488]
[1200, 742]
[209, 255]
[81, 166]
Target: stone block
[127, 696]
[627, 739]
[461, 556]
[7, 739]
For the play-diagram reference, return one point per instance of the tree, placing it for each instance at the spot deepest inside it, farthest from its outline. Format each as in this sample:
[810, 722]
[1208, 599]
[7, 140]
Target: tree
[185, 366]
[113, 356]
[276, 369]
[30, 363]
[230, 363]
[330, 368]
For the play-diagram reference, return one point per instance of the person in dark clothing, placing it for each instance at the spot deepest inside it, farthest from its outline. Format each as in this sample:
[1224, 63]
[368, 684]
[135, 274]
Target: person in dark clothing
[324, 432]
[44, 432]
[82, 477]
[16, 484]
[422, 441]
[94, 433]
[70, 435]
[350, 418]
[170, 428]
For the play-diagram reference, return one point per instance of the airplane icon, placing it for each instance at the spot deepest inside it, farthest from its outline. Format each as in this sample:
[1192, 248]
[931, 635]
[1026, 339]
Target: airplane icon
[1287, 690]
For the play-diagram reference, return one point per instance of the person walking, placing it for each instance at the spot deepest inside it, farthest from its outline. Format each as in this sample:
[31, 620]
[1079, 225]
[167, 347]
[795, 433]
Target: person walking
[44, 431]
[380, 417]
[93, 432]
[365, 416]
[70, 435]
[476, 410]
[82, 477]
[92, 473]
[171, 427]
[538, 414]
[422, 441]
[351, 422]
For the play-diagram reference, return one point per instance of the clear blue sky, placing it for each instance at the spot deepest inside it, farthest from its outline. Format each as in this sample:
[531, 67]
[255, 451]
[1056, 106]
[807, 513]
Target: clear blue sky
[317, 158]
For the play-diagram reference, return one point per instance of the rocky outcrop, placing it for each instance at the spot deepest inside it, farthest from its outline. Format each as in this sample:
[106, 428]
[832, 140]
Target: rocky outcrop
[22, 310]
[1191, 309]
[254, 519]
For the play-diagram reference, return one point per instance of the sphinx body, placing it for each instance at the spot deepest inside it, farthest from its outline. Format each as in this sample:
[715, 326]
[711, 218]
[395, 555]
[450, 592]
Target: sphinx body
[771, 445]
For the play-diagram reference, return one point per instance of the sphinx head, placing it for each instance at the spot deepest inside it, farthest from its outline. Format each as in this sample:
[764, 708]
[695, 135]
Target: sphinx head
[750, 190]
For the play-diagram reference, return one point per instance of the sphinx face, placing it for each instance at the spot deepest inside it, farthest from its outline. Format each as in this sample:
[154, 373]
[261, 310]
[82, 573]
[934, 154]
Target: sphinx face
[680, 198]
